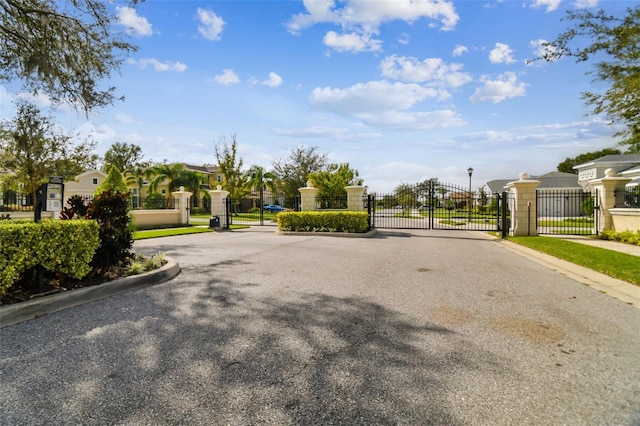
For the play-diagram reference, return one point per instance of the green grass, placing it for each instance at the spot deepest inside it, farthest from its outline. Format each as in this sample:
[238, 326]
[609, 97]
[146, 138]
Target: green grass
[570, 223]
[169, 232]
[622, 266]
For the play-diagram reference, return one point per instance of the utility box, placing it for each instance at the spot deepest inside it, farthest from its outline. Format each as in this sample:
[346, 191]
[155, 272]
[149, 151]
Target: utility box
[214, 222]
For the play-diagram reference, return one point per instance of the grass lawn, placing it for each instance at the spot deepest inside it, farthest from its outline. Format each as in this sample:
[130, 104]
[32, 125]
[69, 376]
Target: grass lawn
[622, 266]
[168, 232]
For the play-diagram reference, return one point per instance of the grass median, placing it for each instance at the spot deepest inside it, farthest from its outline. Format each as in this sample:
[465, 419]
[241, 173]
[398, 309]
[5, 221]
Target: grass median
[622, 266]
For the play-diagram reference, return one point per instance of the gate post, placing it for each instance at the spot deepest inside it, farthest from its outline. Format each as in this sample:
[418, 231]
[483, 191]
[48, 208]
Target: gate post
[606, 188]
[308, 198]
[218, 205]
[354, 197]
[523, 206]
[182, 204]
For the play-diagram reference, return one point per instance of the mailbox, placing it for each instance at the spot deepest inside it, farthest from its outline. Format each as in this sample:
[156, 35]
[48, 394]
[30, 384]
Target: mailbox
[54, 194]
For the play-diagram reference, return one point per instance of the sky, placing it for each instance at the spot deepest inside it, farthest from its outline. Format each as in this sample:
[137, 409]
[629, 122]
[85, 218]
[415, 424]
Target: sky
[402, 90]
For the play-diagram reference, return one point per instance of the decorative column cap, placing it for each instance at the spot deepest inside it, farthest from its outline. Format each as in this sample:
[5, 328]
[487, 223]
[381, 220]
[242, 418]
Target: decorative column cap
[524, 176]
[219, 187]
[610, 173]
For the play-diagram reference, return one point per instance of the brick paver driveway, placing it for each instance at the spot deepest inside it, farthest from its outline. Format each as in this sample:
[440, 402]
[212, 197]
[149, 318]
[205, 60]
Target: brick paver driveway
[421, 327]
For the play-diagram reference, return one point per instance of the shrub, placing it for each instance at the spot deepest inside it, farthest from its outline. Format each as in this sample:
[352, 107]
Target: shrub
[323, 221]
[629, 237]
[154, 201]
[77, 208]
[63, 247]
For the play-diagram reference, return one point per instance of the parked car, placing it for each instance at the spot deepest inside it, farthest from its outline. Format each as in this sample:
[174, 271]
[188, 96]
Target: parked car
[273, 208]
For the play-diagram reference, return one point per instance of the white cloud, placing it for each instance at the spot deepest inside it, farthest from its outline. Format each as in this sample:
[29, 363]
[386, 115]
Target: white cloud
[124, 118]
[551, 5]
[585, 4]
[157, 65]
[459, 50]
[504, 87]
[432, 71]
[326, 132]
[274, 80]
[135, 24]
[352, 42]
[227, 77]
[373, 96]
[404, 38]
[404, 120]
[501, 54]
[363, 18]
[211, 24]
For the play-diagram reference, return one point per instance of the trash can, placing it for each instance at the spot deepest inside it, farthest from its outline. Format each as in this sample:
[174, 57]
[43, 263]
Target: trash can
[214, 222]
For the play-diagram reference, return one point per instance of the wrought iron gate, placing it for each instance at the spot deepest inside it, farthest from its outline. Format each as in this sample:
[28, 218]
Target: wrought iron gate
[437, 205]
[259, 208]
[569, 212]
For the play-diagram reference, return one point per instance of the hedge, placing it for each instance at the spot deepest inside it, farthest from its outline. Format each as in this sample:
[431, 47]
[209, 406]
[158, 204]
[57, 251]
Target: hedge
[331, 221]
[61, 246]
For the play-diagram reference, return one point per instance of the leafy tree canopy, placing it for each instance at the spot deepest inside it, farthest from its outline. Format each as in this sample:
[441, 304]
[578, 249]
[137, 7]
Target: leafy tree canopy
[124, 156]
[332, 180]
[293, 172]
[62, 48]
[567, 165]
[230, 166]
[615, 43]
[114, 182]
[33, 148]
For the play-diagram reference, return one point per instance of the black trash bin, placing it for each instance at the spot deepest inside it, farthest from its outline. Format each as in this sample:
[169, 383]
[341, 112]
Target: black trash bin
[214, 222]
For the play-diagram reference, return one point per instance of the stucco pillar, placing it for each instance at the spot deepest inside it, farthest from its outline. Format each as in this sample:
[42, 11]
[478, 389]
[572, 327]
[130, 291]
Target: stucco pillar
[606, 188]
[523, 206]
[218, 205]
[308, 198]
[354, 198]
[182, 204]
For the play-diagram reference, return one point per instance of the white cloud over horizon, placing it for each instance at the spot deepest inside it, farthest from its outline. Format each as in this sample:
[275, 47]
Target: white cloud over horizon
[496, 90]
[158, 65]
[211, 25]
[134, 24]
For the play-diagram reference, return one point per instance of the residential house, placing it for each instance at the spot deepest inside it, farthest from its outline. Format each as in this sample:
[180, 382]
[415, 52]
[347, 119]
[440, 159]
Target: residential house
[625, 165]
[559, 193]
[84, 184]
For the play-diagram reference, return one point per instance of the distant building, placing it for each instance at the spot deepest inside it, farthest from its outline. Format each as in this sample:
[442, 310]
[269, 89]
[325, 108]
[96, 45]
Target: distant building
[625, 165]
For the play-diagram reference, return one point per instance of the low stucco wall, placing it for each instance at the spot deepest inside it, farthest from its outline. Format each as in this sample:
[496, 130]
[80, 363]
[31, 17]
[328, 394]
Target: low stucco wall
[155, 217]
[625, 219]
[29, 215]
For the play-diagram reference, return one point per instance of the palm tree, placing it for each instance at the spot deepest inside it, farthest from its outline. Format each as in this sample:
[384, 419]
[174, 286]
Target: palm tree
[136, 176]
[166, 173]
[257, 177]
[192, 180]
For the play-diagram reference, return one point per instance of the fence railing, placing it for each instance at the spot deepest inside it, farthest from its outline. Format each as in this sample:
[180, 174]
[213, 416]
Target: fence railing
[16, 202]
[331, 203]
[629, 198]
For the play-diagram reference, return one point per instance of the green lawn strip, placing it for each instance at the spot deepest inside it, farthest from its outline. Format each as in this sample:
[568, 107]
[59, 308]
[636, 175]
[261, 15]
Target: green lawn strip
[622, 266]
[169, 232]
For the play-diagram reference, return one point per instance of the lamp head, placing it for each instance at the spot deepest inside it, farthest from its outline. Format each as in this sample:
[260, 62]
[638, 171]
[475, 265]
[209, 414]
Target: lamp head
[470, 171]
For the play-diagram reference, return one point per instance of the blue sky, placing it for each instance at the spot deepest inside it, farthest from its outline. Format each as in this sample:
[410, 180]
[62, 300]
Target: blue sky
[402, 90]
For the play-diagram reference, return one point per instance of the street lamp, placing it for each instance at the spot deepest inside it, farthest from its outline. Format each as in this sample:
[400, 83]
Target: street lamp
[470, 171]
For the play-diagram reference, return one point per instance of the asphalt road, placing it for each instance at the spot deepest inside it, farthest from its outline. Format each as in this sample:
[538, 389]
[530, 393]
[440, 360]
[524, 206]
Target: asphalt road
[416, 327]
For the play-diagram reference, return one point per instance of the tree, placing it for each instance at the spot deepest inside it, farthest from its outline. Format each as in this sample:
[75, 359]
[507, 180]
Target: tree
[114, 182]
[192, 181]
[165, 173]
[617, 41]
[33, 148]
[258, 178]
[293, 173]
[332, 180]
[62, 48]
[230, 167]
[124, 156]
[567, 165]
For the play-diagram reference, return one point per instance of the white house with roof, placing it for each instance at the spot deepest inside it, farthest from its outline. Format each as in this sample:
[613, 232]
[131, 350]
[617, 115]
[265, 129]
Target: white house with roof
[84, 184]
[624, 165]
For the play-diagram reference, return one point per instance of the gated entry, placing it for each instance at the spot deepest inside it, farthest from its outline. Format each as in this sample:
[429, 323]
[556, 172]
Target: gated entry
[259, 208]
[436, 205]
[569, 212]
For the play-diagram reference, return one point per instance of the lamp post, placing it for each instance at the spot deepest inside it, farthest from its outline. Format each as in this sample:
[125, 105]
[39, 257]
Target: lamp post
[470, 171]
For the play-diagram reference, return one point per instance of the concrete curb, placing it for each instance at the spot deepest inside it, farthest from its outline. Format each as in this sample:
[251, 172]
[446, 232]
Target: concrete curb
[36, 308]
[367, 234]
[621, 290]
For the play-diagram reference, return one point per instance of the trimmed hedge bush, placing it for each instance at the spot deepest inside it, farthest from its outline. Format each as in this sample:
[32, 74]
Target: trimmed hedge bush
[323, 221]
[61, 246]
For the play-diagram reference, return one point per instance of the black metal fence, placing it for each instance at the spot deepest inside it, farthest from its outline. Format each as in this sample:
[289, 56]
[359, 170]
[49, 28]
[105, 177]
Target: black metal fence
[628, 198]
[11, 201]
[569, 212]
[437, 205]
[260, 207]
